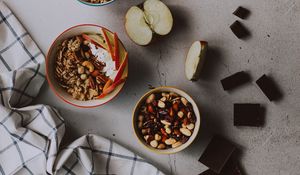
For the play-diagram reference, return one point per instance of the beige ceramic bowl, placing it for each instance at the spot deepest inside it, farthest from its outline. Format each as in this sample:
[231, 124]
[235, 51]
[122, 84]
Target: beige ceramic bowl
[50, 63]
[170, 150]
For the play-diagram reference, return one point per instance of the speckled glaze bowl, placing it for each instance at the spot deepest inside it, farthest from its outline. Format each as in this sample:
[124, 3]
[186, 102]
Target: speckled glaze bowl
[50, 64]
[96, 4]
[170, 150]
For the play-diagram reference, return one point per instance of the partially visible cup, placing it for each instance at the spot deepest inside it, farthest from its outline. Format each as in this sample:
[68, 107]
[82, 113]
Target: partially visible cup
[86, 2]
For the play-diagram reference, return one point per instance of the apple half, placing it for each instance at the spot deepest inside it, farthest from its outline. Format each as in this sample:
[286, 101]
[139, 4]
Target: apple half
[153, 18]
[195, 60]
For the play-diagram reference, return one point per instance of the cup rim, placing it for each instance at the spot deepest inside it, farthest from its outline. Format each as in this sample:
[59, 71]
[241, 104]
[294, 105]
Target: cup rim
[95, 4]
[171, 150]
[47, 68]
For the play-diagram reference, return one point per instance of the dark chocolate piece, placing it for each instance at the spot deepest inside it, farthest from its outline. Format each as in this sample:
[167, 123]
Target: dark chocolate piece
[208, 172]
[235, 80]
[231, 168]
[269, 88]
[248, 115]
[234, 171]
[239, 30]
[241, 12]
[217, 153]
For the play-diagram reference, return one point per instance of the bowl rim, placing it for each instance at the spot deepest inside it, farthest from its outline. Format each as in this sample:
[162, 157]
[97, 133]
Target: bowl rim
[47, 67]
[183, 146]
[95, 4]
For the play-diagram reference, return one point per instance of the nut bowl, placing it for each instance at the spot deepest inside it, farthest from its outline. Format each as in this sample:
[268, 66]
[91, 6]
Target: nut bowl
[51, 65]
[166, 120]
[96, 4]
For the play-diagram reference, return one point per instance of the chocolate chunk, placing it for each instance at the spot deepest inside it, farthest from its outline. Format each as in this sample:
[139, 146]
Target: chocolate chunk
[217, 153]
[241, 12]
[239, 30]
[248, 115]
[234, 171]
[269, 88]
[231, 168]
[208, 172]
[235, 80]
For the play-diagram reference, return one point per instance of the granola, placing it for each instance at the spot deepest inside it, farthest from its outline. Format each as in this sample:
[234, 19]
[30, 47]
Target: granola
[78, 71]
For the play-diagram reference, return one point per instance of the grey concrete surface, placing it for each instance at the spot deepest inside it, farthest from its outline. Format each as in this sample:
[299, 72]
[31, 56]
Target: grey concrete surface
[272, 49]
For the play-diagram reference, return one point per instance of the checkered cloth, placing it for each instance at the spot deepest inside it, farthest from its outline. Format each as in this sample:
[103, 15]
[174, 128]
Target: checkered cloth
[30, 136]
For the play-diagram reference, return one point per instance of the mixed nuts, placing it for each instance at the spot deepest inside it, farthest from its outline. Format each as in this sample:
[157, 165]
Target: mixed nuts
[165, 120]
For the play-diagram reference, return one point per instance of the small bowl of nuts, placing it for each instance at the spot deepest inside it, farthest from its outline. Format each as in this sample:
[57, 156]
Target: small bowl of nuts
[87, 65]
[96, 2]
[166, 120]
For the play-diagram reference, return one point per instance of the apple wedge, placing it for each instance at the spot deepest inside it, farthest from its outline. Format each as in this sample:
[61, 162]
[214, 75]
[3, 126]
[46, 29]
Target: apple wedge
[122, 68]
[142, 24]
[195, 60]
[111, 88]
[109, 42]
[96, 39]
[116, 51]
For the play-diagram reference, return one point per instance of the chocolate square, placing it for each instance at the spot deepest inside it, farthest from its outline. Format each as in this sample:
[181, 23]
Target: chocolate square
[235, 80]
[241, 12]
[239, 30]
[234, 171]
[217, 153]
[248, 115]
[231, 168]
[269, 88]
[208, 172]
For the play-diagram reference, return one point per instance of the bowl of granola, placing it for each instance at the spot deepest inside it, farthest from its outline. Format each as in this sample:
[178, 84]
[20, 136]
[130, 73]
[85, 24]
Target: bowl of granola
[87, 65]
[166, 120]
[96, 2]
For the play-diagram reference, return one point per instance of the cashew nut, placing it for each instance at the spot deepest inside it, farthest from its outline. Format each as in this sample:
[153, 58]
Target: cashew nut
[89, 65]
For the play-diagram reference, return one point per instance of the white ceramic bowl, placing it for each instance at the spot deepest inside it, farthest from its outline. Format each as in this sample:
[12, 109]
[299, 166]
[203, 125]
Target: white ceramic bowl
[50, 63]
[170, 150]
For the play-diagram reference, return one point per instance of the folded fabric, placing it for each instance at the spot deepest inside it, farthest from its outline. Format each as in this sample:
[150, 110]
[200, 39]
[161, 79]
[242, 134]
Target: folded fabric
[30, 136]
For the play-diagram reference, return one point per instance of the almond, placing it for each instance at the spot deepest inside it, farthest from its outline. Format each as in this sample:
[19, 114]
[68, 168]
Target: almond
[185, 132]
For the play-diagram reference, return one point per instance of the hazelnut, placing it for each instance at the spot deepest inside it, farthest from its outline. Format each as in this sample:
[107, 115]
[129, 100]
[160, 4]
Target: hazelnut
[141, 118]
[161, 146]
[83, 76]
[180, 114]
[157, 137]
[168, 130]
[190, 126]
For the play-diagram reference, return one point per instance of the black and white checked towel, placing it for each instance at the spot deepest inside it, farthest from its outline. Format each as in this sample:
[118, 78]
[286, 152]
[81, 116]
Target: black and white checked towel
[30, 136]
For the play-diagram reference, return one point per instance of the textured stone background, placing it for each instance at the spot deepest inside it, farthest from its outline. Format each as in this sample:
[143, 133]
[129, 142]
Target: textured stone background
[273, 49]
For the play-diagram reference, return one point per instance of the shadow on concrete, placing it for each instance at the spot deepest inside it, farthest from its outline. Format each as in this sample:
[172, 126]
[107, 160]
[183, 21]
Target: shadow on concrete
[212, 63]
